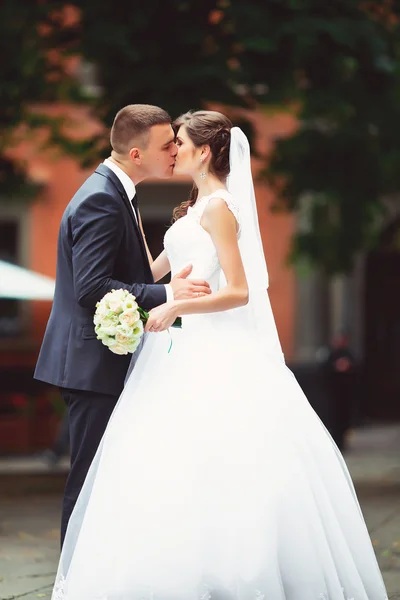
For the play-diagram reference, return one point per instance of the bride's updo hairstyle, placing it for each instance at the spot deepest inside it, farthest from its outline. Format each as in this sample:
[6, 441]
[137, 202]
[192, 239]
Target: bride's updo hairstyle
[211, 128]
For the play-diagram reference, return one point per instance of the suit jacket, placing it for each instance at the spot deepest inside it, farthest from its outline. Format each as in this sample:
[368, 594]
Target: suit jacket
[100, 248]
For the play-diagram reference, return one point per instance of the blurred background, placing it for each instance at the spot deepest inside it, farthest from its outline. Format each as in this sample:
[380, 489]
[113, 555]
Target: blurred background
[316, 86]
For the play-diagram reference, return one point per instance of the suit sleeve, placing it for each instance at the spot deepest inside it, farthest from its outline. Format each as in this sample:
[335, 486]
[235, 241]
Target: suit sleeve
[96, 232]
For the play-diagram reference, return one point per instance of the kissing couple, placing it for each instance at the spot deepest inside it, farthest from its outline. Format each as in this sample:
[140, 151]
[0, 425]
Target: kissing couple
[199, 473]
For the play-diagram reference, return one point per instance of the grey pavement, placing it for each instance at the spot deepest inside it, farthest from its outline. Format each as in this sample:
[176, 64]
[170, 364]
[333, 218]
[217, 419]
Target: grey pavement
[29, 542]
[30, 501]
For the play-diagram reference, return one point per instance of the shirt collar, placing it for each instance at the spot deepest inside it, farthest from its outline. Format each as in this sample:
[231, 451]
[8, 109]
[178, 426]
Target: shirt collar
[126, 181]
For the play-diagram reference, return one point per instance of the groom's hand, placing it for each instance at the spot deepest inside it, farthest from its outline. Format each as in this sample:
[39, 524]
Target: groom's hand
[188, 288]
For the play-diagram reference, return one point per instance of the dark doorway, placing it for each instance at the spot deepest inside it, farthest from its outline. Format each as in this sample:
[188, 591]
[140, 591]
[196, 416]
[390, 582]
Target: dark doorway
[10, 317]
[157, 202]
[382, 328]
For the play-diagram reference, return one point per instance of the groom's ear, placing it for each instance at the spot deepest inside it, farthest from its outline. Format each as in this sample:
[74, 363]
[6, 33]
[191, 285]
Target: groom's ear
[135, 156]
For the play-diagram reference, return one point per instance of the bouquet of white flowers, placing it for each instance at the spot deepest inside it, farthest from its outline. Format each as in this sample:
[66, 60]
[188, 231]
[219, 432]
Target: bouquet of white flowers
[119, 321]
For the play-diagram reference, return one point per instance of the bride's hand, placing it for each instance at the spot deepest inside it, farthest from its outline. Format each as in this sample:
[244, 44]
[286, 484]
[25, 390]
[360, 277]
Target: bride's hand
[162, 317]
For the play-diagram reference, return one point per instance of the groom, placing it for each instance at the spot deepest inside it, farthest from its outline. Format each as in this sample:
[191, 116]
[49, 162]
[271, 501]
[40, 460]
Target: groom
[100, 248]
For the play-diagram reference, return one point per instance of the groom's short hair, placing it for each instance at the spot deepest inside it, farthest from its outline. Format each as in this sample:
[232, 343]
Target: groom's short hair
[132, 125]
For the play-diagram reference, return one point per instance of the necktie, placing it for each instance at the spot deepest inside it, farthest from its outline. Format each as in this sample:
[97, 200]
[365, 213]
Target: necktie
[134, 203]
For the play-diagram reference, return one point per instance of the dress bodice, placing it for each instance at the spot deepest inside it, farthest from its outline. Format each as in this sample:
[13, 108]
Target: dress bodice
[187, 242]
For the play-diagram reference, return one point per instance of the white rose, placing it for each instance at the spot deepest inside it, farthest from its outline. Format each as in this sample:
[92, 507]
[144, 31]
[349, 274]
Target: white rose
[101, 309]
[130, 302]
[117, 300]
[99, 332]
[98, 318]
[119, 349]
[122, 338]
[115, 305]
[111, 330]
[108, 341]
[138, 329]
[108, 326]
[133, 345]
[111, 317]
[120, 294]
[106, 300]
[129, 317]
[109, 320]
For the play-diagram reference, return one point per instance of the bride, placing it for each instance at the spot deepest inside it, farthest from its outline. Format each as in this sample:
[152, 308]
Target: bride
[215, 479]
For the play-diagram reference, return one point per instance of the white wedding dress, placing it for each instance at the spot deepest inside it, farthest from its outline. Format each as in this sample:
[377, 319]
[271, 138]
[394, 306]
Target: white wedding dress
[215, 479]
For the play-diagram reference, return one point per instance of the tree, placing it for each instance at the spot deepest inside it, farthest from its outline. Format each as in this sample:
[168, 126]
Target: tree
[33, 74]
[336, 64]
[165, 53]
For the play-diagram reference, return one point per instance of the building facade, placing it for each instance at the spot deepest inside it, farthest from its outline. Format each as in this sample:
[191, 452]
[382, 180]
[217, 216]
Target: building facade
[309, 310]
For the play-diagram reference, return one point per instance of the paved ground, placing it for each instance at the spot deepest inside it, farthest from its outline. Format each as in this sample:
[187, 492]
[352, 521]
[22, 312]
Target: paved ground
[30, 498]
[29, 542]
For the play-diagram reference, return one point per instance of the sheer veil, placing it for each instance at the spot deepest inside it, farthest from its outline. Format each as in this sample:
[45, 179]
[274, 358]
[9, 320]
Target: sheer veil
[240, 185]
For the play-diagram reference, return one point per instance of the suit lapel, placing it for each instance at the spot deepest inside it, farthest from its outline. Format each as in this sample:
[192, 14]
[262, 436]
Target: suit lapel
[110, 175]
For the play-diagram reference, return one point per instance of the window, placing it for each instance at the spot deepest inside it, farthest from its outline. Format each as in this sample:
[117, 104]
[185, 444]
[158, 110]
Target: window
[9, 309]
[13, 238]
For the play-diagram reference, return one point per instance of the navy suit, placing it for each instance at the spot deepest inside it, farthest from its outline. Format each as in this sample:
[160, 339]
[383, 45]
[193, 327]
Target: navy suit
[100, 248]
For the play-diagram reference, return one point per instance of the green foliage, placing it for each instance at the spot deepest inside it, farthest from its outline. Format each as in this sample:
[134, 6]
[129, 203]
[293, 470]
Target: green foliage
[336, 63]
[163, 53]
[32, 75]
[339, 62]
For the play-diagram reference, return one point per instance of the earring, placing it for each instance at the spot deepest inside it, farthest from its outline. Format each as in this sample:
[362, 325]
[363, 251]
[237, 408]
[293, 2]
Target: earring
[203, 175]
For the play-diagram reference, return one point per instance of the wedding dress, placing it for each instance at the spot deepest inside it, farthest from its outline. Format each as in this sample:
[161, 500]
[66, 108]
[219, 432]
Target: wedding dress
[215, 479]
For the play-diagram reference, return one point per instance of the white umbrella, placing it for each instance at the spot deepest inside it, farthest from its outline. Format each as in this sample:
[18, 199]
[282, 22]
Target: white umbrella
[20, 284]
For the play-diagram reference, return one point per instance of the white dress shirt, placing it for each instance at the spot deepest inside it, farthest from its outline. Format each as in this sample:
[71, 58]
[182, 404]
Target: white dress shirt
[130, 191]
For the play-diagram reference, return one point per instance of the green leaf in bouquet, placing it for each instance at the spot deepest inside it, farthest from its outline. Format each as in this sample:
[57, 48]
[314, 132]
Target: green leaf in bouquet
[144, 316]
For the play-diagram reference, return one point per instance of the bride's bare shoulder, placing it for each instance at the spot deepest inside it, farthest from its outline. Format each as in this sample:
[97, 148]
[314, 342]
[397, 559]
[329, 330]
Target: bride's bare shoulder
[218, 211]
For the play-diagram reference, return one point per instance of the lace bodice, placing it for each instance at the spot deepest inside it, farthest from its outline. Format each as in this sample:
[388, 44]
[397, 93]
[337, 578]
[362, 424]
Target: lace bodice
[187, 242]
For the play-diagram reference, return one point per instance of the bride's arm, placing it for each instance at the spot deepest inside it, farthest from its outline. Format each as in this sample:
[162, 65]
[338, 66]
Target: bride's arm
[220, 223]
[159, 267]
